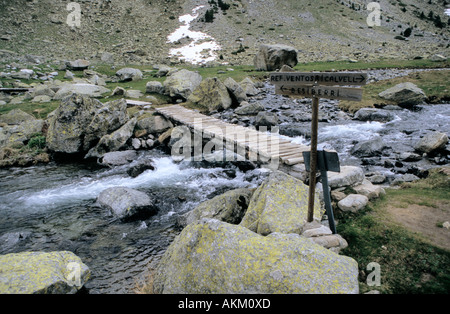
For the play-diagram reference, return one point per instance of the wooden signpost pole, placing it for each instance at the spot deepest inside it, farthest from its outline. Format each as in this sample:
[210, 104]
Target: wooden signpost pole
[313, 159]
[318, 85]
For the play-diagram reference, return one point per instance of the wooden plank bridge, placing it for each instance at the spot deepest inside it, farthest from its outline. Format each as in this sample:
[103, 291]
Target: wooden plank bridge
[264, 146]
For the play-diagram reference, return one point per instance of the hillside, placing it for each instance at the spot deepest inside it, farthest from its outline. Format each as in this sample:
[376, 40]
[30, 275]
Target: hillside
[136, 31]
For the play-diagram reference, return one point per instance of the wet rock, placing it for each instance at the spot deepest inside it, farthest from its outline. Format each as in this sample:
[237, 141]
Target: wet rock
[60, 272]
[127, 204]
[408, 177]
[277, 263]
[273, 57]
[431, 141]
[140, 167]
[118, 158]
[228, 207]
[370, 148]
[373, 114]
[11, 239]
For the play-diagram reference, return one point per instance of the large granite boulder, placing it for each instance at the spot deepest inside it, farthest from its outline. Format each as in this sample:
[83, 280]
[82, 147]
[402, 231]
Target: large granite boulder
[214, 257]
[42, 273]
[273, 57]
[114, 141]
[182, 83]
[212, 95]
[80, 121]
[280, 204]
[404, 94]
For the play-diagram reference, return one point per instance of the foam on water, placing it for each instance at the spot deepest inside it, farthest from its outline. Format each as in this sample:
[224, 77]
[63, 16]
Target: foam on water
[357, 131]
[167, 174]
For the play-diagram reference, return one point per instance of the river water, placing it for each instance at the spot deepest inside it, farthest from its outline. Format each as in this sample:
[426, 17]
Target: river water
[53, 207]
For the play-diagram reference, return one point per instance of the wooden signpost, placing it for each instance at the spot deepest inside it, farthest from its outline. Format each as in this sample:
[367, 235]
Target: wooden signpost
[318, 85]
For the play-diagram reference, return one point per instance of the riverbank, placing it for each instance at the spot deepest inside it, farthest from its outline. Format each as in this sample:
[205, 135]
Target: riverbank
[123, 251]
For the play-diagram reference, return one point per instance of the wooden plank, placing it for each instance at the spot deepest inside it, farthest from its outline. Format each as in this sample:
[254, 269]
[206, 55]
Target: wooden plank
[328, 92]
[320, 78]
[137, 102]
[294, 161]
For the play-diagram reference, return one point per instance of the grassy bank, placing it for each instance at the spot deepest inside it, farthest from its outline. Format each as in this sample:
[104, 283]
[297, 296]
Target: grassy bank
[410, 260]
[433, 83]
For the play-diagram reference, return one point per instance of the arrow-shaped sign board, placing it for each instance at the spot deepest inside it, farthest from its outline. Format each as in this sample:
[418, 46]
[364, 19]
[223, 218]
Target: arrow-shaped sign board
[328, 92]
[319, 78]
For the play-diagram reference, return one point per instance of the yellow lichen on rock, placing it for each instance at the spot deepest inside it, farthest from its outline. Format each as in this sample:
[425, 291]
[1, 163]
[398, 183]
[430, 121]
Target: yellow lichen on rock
[42, 273]
[280, 204]
[210, 256]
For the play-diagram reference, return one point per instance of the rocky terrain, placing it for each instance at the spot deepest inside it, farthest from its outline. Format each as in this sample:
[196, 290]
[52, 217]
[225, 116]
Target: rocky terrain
[113, 31]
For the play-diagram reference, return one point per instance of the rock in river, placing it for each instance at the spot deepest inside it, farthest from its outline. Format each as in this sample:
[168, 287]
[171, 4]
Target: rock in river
[229, 207]
[211, 256]
[431, 142]
[127, 204]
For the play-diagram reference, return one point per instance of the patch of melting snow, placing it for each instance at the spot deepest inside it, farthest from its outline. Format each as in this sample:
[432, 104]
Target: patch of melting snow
[202, 48]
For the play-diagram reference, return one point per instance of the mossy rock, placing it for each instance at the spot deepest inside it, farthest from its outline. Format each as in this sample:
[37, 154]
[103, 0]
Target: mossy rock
[280, 204]
[59, 272]
[214, 257]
